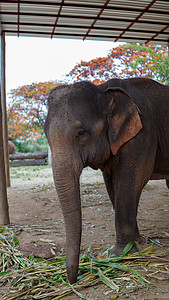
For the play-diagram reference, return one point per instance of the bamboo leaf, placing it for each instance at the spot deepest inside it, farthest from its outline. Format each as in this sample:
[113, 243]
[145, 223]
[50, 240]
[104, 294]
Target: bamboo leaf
[127, 248]
[109, 282]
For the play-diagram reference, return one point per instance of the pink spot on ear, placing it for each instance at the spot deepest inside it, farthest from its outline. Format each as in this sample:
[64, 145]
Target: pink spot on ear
[131, 130]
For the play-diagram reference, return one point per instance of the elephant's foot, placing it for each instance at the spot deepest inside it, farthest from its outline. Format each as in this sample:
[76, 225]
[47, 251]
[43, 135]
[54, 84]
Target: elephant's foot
[167, 183]
[122, 241]
[118, 249]
[138, 238]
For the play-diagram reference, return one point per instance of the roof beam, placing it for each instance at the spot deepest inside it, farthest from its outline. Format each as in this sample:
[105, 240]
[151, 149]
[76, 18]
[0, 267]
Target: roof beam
[60, 9]
[85, 18]
[150, 21]
[136, 19]
[18, 15]
[95, 20]
[87, 27]
[90, 6]
[160, 32]
[78, 35]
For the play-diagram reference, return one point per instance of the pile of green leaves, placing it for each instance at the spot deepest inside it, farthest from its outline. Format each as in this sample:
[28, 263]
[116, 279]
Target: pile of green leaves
[47, 279]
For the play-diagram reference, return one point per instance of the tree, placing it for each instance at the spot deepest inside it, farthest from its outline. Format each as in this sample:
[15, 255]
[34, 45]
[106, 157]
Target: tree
[97, 70]
[27, 110]
[128, 60]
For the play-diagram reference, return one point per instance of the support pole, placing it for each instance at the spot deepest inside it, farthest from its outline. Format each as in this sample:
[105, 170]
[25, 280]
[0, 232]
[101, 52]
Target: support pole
[49, 156]
[4, 213]
[4, 114]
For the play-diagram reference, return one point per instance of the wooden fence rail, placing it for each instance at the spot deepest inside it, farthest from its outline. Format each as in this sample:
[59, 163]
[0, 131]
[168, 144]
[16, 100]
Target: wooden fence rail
[28, 159]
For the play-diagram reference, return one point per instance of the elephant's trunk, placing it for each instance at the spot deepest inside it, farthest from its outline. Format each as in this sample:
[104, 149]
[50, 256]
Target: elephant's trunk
[66, 177]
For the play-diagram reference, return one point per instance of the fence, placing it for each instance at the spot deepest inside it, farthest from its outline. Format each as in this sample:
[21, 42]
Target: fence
[28, 159]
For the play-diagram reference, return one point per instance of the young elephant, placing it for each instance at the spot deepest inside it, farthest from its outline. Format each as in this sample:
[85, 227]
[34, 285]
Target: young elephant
[120, 127]
[11, 147]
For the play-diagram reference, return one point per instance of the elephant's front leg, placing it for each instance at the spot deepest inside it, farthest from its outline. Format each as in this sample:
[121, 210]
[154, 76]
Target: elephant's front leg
[109, 186]
[109, 182]
[126, 197]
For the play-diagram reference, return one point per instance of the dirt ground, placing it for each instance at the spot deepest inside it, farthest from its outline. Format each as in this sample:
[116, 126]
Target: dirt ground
[36, 216]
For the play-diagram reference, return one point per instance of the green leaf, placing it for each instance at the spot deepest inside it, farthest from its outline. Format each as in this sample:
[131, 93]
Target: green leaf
[121, 267]
[4, 273]
[109, 282]
[89, 249]
[15, 240]
[3, 229]
[127, 248]
[31, 258]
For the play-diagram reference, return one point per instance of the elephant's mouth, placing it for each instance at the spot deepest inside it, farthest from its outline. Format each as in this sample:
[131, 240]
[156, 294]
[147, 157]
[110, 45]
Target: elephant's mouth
[94, 167]
[99, 161]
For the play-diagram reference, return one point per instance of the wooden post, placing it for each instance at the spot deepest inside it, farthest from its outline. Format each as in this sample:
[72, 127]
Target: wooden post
[49, 156]
[4, 213]
[4, 114]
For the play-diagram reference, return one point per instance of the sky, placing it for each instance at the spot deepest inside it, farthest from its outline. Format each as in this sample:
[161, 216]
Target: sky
[42, 59]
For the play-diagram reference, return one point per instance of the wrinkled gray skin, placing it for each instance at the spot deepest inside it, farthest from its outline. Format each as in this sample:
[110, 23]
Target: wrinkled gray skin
[120, 127]
[11, 147]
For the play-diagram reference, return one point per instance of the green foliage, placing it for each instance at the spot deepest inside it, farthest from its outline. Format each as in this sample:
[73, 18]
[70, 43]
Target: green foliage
[161, 69]
[39, 145]
[32, 172]
[150, 61]
[126, 61]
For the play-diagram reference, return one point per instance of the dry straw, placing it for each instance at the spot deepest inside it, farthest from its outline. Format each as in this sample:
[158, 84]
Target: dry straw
[30, 278]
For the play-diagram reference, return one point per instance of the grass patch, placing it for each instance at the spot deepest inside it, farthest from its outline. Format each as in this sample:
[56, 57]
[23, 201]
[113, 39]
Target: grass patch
[28, 172]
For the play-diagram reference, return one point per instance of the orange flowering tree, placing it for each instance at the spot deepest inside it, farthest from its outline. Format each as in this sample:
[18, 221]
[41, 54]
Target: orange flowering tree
[128, 60]
[27, 110]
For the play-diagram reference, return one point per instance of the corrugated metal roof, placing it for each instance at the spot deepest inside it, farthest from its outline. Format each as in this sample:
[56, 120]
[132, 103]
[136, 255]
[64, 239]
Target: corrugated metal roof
[114, 20]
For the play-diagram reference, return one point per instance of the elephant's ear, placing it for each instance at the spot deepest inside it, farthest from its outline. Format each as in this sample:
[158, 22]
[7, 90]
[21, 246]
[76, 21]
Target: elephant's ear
[124, 118]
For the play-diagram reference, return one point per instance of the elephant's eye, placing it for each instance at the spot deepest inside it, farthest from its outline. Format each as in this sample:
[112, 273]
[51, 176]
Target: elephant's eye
[82, 135]
[81, 132]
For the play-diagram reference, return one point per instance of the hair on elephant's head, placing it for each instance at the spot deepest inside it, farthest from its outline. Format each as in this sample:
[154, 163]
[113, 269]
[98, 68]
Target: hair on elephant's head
[85, 126]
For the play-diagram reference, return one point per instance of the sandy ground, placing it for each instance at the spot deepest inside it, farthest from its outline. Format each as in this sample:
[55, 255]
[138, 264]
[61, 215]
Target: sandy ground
[36, 216]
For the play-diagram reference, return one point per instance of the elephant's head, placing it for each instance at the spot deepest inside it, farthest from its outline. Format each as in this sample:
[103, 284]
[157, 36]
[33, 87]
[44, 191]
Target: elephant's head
[84, 127]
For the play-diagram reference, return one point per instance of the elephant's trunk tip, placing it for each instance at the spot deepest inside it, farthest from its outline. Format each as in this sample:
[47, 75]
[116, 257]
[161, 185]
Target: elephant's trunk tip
[72, 274]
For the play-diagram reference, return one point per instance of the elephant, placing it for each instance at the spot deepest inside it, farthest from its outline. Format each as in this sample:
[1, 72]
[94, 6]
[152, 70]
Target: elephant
[120, 127]
[11, 147]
